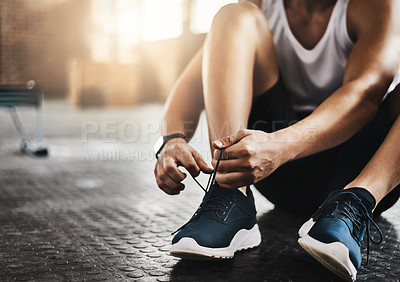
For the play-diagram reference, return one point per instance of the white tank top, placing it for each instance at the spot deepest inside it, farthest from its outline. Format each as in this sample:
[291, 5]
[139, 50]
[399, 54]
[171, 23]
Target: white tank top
[310, 76]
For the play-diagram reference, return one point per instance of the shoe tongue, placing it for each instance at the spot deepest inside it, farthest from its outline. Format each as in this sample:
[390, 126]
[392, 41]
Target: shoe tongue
[216, 191]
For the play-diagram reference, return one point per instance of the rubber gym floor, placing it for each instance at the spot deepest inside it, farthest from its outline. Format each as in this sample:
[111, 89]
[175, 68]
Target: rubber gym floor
[91, 210]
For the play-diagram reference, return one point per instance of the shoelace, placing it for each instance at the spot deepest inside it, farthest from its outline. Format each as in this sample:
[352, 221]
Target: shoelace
[214, 200]
[212, 175]
[353, 214]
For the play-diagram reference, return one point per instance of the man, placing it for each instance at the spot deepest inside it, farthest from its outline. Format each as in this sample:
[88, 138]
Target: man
[307, 77]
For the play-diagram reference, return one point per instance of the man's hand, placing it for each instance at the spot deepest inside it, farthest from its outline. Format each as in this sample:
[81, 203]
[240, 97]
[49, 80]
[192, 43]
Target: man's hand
[249, 156]
[177, 152]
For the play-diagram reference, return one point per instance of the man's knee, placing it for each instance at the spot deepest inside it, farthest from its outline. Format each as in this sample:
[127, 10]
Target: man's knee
[240, 17]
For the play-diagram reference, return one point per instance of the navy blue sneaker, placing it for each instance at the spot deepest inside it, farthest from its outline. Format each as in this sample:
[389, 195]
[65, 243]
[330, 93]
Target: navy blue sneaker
[334, 234]
[224, 223]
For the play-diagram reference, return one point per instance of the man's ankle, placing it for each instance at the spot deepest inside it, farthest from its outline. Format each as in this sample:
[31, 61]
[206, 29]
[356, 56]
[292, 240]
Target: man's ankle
[366, 197]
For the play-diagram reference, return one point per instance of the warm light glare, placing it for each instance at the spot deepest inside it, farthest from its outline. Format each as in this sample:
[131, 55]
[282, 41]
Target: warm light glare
[202, 13]
[127, 29]
[118, 25]
[162, 19]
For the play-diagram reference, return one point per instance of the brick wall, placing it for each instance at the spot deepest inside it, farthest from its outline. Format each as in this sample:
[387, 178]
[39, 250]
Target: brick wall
[38, 38]
[42, 39]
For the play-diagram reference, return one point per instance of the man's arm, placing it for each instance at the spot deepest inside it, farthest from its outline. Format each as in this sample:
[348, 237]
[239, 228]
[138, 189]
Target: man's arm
[370, 69]
[182, 114]
[185, 102]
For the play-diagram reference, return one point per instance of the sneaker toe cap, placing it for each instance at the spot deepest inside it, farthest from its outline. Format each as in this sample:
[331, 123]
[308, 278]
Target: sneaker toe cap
[329, 230]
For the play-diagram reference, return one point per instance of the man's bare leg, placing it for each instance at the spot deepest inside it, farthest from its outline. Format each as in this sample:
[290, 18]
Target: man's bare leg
[239, 63]
[382, 173]
[236, 62]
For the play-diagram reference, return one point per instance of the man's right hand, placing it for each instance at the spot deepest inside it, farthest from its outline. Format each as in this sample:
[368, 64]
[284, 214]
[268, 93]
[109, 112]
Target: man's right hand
[177, 152]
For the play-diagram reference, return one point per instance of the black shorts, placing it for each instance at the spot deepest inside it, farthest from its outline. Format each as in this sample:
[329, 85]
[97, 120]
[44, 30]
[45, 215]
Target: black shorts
[304, 183]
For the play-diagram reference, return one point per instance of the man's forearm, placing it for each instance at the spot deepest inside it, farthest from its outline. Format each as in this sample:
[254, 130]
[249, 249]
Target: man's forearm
[335, 121]
[181, 115]
[185, 103]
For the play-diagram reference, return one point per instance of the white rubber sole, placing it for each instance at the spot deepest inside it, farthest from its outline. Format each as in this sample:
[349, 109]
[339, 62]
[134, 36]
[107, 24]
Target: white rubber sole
[334, 256]
[243, 239]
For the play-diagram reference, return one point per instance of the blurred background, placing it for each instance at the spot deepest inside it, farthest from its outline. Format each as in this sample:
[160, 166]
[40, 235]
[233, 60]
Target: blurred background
[102, 53]
[91, 210]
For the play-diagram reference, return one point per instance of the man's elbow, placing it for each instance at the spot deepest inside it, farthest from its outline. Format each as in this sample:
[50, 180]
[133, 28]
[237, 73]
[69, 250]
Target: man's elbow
[371, 109]
[369, 98]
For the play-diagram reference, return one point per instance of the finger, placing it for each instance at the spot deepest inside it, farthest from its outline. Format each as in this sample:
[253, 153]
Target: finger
[165, 182]
[230, 140]
[233, 179]
[216, 154]
[187, 160]
[233, 165]
[169, 190]
[236, 151]
[201, 163]
[164, 187]
[171, 168]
